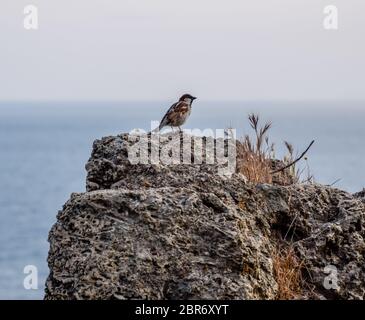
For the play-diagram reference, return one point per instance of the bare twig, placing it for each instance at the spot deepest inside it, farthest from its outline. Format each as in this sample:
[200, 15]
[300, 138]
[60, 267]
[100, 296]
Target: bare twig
[333, 183]
[295, 161]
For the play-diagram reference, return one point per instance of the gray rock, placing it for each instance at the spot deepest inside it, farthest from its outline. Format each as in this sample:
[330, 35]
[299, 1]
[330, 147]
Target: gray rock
[185, 232]
[360, 195]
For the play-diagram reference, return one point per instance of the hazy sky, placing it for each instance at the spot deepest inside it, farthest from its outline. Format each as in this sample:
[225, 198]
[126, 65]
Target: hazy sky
[157, 49]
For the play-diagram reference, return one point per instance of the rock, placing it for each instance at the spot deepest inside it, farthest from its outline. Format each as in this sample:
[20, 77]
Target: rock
[153, 231]
[360, 195]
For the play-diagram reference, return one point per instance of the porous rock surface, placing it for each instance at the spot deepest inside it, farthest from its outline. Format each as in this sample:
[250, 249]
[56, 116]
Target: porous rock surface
[146, 231]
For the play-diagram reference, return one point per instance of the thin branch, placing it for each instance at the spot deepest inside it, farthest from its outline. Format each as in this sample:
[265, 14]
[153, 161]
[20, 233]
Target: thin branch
[295, 161]
[333, 183]
[309, 179]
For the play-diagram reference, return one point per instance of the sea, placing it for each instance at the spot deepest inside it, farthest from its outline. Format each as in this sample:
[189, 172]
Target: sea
[44, 147]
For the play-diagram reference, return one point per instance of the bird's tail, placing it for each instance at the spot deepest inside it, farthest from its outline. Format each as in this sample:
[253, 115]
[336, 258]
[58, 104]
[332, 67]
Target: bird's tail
[157, 129]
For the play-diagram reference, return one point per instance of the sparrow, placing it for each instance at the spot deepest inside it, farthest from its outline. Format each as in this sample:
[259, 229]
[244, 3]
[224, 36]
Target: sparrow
[178, 113]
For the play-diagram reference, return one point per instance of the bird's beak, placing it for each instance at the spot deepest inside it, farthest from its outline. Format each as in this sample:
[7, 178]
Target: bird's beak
[195, 98]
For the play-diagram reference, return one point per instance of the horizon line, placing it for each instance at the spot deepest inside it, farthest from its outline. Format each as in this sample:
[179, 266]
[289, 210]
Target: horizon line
[2, 101]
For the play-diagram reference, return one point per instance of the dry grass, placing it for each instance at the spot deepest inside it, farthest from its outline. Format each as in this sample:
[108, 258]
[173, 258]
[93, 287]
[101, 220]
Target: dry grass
[288, 274]
[297, 174]
[256, 156]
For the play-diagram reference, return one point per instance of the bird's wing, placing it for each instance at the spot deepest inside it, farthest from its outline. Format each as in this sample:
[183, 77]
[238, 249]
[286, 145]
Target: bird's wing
[165, 119]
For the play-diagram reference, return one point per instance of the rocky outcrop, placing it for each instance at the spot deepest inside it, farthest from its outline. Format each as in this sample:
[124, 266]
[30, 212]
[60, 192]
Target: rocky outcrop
[147, 231]
[360, 195]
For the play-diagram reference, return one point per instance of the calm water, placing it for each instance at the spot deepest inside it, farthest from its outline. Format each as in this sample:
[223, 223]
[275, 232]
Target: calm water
[44, 147]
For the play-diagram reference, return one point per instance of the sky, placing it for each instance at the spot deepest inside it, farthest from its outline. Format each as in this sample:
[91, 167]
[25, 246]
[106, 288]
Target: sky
[155, 50]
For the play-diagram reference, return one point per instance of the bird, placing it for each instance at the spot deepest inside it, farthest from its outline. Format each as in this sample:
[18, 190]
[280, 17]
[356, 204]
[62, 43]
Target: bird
[178, 113]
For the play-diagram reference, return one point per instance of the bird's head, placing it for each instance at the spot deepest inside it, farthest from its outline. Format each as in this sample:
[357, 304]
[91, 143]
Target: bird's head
[187, 98]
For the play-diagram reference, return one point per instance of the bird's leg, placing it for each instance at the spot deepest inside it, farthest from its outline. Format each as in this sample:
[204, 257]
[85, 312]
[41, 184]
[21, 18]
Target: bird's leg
[172, 129]
[180, 129]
